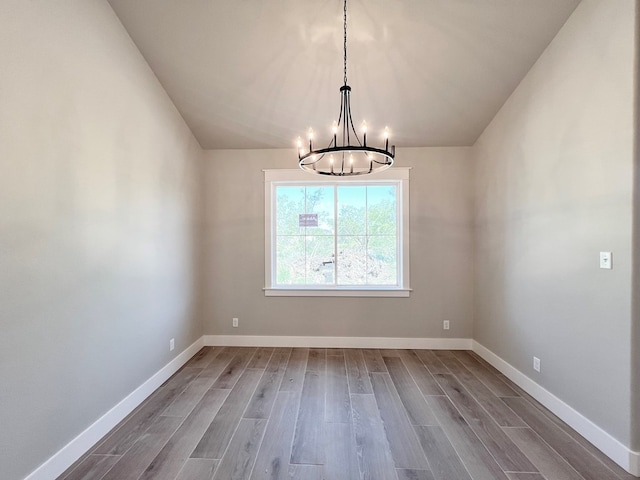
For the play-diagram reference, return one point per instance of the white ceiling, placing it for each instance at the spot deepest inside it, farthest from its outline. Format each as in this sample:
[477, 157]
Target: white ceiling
[257, 73]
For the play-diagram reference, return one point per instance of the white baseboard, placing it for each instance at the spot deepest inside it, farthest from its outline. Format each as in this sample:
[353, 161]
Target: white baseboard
[64, 458]
[77, 447]
[614, 449]
[338, 342]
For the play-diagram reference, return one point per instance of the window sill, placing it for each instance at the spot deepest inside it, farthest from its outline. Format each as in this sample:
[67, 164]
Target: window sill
[334, 292]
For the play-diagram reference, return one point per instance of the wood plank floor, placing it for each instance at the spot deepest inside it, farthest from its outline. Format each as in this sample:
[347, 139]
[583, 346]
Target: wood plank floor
[341, 414]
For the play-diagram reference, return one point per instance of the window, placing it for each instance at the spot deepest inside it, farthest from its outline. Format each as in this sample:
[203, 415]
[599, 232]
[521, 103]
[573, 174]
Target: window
[337, 236]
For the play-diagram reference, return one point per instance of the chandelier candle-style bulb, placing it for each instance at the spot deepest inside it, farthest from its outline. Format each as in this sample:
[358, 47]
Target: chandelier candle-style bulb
[310, 136]
[346, 144]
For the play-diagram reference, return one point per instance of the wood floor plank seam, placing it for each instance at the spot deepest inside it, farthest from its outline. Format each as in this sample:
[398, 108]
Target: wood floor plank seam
[551, 448]
[210, 375]
[308, 437]
[425, 381]
[125, 434]
[548, 459]
[197, 469]
[209, 447]
[167, 463]
[458, 453]
[613, 467]
[397, 426]
[277, 428]
[337, 403]
[486, 372]
[272, 406]
[444, 461]
[268, 386]
[245, 450]
[506, 453]
[291, 378]
[133, 464]
[492, 404]
[410, 393]
[555, 436]
[478, 460]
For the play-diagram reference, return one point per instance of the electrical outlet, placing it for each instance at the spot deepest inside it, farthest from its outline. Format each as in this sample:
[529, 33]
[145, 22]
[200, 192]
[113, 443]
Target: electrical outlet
[536, 364]
[606, 260]
[172, 344]
[445, 325]
[235, 322]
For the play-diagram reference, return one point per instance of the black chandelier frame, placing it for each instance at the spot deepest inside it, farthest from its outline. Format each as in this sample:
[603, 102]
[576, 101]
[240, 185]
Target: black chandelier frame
[352, 159]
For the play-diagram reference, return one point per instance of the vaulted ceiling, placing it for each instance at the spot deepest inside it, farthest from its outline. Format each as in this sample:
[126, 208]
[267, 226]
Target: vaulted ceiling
[257, 73]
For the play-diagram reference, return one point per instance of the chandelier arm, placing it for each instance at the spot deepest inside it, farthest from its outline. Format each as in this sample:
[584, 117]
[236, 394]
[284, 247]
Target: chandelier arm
[335, 136]
[346, 140]
[355, 133]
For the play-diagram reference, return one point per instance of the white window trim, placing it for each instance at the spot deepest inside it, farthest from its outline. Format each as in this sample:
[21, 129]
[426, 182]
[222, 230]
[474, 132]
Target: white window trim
[296, 176]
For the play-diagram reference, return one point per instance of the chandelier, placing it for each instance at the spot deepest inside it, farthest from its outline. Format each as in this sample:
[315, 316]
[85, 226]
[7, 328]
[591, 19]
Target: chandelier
[346, 154]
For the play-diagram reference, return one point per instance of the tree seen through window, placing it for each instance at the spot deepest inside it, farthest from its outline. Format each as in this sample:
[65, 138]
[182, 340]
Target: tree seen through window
[336, 235]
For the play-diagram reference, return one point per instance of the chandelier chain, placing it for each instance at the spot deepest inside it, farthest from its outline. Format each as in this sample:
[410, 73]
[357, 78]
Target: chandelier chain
[345, 42]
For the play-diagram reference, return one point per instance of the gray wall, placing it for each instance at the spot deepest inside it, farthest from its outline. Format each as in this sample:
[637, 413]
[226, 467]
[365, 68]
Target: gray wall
[97, 224]
[441, 221]
[553, 188]
[635, 327]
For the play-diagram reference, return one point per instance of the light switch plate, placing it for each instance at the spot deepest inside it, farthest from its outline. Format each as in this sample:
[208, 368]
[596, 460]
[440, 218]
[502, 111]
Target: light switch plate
[606, 260]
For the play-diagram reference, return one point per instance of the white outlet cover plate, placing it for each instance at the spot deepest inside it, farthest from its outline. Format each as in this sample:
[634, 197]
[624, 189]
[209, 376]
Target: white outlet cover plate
[606, 260]
[536, 364]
